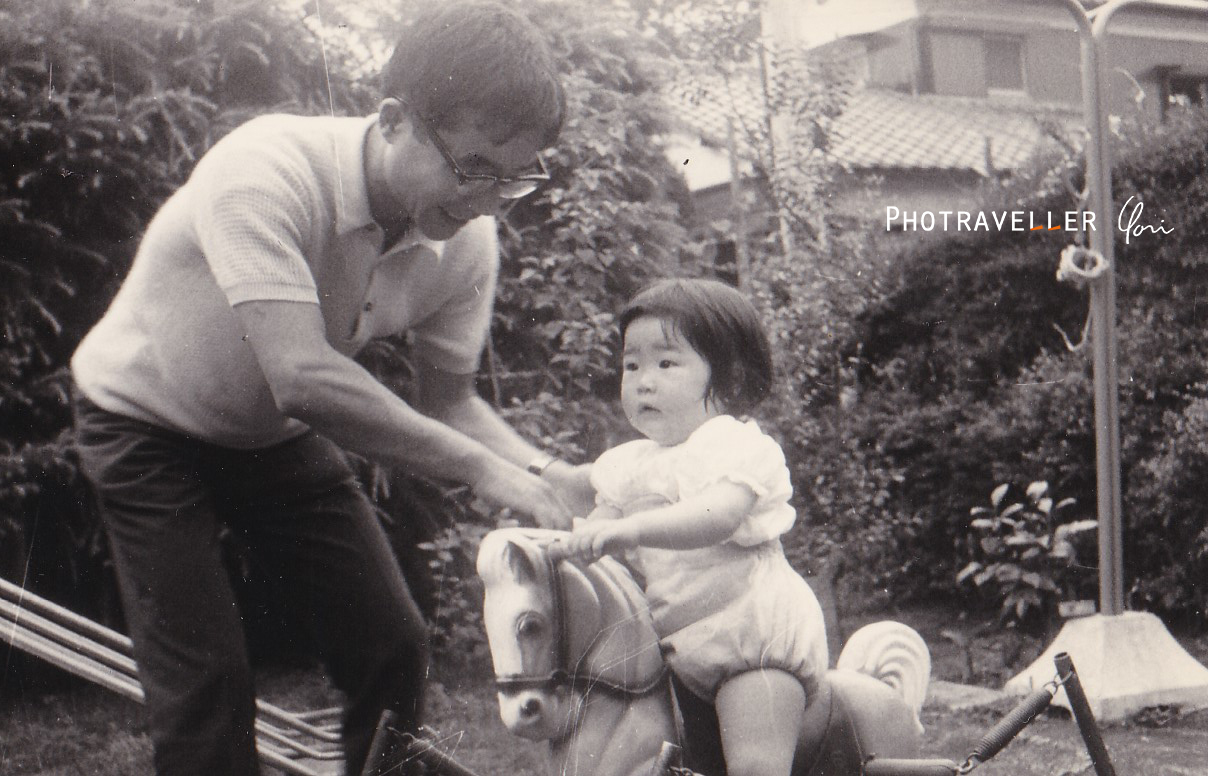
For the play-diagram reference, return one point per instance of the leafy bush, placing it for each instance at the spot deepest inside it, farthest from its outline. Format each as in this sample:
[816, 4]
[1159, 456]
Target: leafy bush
[965, 381]
[104, 108]
[1170, 532]
[1026, 554]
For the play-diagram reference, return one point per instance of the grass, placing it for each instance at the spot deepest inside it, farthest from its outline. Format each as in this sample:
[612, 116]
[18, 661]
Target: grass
[53, 727]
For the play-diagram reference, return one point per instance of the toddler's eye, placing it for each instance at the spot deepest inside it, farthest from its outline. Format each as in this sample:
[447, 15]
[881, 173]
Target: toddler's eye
[666, 363]
[630, 367]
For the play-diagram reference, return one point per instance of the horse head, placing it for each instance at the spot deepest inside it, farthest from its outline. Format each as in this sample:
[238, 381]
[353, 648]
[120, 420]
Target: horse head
[557, 631]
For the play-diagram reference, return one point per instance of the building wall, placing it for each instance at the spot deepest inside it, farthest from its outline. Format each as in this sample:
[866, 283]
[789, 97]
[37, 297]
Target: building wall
[943, 51]
[1147, 59]
[866, 196]
[893, 59]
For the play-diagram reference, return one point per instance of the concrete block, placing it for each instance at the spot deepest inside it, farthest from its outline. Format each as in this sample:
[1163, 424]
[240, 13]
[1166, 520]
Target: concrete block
[1126, 662]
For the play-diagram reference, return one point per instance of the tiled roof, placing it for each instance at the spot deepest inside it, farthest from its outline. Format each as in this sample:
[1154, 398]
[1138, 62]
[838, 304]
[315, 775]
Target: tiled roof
[890, 130]
[887, 130]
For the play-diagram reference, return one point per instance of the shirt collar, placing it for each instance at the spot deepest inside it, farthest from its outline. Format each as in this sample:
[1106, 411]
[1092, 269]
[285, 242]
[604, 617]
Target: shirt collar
[353, 201]
[353, 198]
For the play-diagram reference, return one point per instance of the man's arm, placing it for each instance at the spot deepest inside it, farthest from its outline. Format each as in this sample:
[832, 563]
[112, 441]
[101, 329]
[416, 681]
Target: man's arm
[453, 399]
[334, 395]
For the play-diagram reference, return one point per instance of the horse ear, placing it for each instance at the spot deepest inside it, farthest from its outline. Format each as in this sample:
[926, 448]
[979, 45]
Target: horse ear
[519, 562]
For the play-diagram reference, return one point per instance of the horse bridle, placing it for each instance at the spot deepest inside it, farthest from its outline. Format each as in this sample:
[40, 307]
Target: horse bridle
[563, 674]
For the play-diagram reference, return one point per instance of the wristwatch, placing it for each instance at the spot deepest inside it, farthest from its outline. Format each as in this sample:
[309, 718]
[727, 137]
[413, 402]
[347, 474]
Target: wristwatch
[539, 464]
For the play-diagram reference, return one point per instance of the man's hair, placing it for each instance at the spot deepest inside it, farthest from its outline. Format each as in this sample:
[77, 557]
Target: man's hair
[481, 61]
[720, 324]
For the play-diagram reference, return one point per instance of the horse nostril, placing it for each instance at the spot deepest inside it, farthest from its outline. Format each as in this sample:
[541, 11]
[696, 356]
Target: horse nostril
[531, 707]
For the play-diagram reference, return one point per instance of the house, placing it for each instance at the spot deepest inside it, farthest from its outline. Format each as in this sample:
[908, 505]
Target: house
[951, 94]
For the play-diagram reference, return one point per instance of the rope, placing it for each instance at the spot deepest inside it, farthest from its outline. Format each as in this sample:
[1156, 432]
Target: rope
[1081, 266]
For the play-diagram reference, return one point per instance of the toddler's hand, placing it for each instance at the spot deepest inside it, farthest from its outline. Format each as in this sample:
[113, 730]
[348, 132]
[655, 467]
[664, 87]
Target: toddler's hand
[593, 539]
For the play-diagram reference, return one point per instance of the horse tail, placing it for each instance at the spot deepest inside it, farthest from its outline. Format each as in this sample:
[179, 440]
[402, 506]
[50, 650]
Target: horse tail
[894, 653]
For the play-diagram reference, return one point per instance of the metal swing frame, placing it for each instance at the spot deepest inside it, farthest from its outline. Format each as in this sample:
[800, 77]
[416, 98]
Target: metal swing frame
[296, 742]
[87, 649]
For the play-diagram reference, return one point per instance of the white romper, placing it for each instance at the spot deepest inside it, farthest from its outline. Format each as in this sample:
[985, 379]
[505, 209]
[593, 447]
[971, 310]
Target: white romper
[731, 607]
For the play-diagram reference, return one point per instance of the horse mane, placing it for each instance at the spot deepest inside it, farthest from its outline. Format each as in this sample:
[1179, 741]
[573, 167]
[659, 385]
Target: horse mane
[610, 632]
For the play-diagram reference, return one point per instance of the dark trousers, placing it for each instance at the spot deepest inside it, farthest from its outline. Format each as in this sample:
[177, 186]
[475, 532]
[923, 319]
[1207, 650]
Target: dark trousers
[308, 525]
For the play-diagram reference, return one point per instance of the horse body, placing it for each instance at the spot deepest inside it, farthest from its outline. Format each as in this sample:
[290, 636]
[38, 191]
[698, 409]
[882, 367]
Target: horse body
[578, 664]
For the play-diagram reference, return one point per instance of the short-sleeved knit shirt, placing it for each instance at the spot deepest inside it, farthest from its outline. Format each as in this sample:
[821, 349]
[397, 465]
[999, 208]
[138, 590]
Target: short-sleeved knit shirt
[278, 210]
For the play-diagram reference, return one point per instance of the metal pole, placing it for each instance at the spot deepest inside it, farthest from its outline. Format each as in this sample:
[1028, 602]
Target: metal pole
[742, 262]
[1103, 326]
[1083, 715]
[1093, 36]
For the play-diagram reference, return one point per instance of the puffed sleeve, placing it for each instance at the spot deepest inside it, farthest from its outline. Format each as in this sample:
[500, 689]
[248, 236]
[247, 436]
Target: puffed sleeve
[612, 474]
[726, 449]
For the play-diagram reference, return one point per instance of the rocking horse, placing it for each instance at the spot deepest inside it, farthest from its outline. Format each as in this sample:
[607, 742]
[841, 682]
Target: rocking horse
[577, 663]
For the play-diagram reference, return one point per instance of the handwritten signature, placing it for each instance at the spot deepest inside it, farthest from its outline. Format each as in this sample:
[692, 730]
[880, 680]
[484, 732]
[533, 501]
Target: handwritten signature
[1133, 229]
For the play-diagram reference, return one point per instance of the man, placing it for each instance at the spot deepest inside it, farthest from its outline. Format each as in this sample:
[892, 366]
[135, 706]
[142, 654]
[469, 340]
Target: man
[219, 387]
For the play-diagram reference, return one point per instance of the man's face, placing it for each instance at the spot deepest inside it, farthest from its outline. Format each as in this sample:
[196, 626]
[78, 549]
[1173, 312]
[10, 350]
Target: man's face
[423, 184]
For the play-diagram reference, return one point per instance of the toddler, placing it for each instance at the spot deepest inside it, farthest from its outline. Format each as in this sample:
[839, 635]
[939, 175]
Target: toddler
[698, 506]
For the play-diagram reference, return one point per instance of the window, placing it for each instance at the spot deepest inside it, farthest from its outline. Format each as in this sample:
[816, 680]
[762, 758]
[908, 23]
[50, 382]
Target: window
[963, 63]
[1187, 92]
[1004, 65]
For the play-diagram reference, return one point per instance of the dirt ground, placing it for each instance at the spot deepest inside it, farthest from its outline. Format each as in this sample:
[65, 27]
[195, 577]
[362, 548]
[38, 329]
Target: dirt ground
[1155, 742]
[70, 729]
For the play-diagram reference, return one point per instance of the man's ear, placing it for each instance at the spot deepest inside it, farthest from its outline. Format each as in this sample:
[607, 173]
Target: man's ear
[392, 117]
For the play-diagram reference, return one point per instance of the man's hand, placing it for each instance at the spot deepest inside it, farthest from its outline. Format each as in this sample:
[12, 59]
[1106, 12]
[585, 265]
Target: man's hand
[511, 486]
[593, 539]
[573, 484]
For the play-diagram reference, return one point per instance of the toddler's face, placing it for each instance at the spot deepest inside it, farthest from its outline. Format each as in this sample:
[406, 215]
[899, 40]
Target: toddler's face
[663, 383]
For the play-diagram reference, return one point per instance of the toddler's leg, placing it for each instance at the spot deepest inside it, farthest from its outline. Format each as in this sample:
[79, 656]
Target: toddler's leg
[760, 714]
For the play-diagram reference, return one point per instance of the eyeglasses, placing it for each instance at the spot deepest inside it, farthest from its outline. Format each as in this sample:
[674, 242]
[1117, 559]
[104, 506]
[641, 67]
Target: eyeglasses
[506, 188]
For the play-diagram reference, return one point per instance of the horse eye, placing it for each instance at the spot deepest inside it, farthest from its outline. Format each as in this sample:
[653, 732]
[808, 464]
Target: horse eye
[528, 627]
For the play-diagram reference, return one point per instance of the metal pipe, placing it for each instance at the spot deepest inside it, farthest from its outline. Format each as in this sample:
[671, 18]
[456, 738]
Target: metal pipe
[38, 645]
[382, 745]
[1083, 715]
[282, 762]
[284, 739]
[1103, 305]
[883, 766]
[115, 669]
[86, 668]
[55, 632]
[116, 650]
[94, 630]
[1103, 310]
